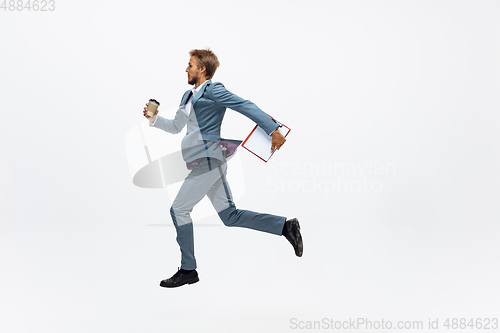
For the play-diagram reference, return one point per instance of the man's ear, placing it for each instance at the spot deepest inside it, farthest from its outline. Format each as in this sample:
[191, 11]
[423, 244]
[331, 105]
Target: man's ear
[203, 71]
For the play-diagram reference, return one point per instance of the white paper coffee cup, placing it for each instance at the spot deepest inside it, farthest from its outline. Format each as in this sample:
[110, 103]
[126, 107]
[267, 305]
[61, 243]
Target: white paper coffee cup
[152, 107]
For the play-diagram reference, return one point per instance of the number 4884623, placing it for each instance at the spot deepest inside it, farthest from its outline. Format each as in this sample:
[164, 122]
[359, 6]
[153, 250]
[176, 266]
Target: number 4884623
[30, 5]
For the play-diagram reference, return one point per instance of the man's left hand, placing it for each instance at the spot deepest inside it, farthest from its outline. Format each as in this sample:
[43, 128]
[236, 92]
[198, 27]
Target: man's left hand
[278, 140]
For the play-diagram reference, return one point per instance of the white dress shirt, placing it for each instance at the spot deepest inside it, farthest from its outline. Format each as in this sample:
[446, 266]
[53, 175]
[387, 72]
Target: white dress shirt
[189, 105]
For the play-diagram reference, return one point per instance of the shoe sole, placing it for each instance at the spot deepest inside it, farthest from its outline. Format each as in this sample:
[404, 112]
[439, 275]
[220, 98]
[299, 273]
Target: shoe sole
[179, 285]
[301, 245]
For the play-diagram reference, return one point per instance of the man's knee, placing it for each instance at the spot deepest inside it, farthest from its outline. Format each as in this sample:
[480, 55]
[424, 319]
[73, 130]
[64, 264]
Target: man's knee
[180, 216]
[180, 208]
[229, 216]
[172, 214]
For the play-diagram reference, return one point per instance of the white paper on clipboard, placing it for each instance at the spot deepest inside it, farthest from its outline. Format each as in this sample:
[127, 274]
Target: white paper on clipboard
[258, 142]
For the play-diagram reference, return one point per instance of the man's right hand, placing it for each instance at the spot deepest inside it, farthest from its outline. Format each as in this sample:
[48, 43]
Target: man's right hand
[153, 118]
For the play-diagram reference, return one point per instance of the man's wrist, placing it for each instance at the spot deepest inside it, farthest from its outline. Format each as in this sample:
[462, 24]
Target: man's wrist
[152, 120]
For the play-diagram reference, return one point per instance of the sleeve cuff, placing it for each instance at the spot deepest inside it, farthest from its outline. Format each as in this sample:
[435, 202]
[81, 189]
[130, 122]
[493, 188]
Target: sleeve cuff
[273, 130]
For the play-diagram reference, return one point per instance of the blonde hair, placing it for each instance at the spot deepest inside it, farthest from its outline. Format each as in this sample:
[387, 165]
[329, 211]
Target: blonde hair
[206, 58]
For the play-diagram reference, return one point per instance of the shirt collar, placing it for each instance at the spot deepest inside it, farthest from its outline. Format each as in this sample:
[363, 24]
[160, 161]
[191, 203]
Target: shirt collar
[195, 90]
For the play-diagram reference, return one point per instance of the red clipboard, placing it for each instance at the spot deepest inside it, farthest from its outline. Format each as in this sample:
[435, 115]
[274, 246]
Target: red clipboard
[258, 142]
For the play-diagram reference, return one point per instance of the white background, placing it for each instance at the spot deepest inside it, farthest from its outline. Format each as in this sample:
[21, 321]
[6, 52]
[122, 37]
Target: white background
[409, 84]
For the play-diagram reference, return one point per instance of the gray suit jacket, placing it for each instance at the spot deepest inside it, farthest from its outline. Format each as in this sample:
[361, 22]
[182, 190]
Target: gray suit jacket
[204, 121]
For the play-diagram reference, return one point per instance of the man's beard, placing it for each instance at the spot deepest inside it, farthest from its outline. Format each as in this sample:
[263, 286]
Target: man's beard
[193, 80]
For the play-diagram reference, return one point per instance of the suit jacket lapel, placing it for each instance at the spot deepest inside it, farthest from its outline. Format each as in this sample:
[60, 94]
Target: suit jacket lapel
[200, 93]
[184, 98]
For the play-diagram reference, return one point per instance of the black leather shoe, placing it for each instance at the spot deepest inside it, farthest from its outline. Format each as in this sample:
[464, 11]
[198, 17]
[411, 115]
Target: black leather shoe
[291, 231]
[180, 279]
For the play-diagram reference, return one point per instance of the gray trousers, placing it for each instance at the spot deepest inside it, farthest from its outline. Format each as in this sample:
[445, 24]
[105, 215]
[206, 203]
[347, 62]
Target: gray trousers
[209, 178]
